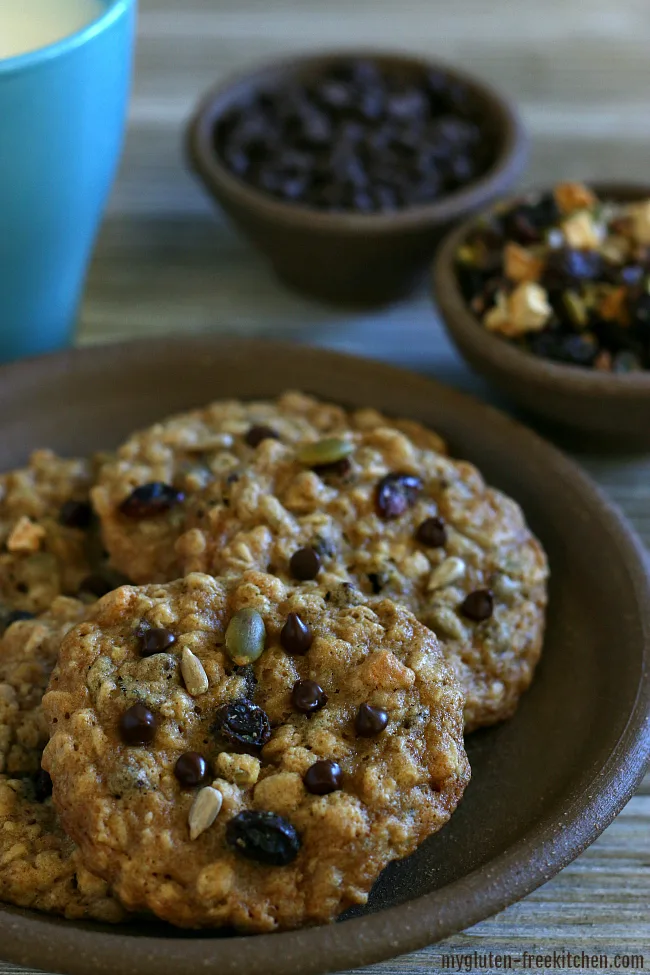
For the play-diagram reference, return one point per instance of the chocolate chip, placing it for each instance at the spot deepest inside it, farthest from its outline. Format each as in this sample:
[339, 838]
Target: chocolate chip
[150, 500]
[304, 564]
[370, 721]
[295, 636]
[155, 640]
[478, 605]
[307, 696]
[432, 533]
[191, 770]
[323, 777]
[263, 837]
[257, 434]
[242, 723]
[138, 725]
[76, 514]
[42, 785]
[396, 493]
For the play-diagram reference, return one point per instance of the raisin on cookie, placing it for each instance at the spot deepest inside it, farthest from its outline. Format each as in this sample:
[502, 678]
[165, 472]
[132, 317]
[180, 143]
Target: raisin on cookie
[45, 518]
[40, 866]
[389, 515]
[142, 493]
[243, 752]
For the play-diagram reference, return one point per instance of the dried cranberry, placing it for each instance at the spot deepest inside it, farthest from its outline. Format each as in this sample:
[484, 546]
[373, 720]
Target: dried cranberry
[263, 837]
[396, 493]
[243, 723]
[150, 500]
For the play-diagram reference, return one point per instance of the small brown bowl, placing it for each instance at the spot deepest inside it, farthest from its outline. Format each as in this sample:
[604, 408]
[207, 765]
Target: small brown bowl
[349, 258]
[613, 407]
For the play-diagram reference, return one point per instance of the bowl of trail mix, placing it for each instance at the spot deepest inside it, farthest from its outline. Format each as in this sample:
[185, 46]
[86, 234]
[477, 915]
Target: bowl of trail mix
[548, 296]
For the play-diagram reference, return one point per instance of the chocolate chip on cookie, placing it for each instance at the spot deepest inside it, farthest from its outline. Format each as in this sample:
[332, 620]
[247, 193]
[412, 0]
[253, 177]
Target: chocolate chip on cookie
[157, 639]
[307, 696]
[295, 636]
[257, 434]
[138, 725]
[304, 564]
[191, 770]
[323, 777]
[370, 721]
[478, 605]
[432, 533]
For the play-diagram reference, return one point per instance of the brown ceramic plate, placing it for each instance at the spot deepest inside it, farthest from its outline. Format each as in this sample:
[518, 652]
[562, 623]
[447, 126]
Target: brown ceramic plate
[544, 785]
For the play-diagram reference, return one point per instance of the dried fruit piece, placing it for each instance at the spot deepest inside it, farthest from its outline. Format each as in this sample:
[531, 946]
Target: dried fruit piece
[245, 637]
[263, 837]
[194, 675]
[149, 500]
[204, 811]
[396, 493]
[243, 723]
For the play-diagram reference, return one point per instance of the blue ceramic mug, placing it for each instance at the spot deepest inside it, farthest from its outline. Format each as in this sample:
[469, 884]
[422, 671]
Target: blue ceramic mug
[62, 114]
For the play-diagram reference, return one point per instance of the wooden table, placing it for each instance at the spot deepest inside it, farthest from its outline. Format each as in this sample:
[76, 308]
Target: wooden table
[166, 262]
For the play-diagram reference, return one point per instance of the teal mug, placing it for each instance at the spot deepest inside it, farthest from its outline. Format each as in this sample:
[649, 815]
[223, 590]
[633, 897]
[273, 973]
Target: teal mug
[62, 118]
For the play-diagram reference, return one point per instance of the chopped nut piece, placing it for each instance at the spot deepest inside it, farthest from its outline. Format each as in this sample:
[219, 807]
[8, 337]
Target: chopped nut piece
[529, 308]
[520, 264]
[204, 811]
[574, 196]
[26, 536]
[497, 318]
[582, 232]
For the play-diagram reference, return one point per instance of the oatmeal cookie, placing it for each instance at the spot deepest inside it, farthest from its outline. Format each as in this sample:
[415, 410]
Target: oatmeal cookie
[142, 494]
[243, 752]
[40, 866]
[45, 517]
[395, 518]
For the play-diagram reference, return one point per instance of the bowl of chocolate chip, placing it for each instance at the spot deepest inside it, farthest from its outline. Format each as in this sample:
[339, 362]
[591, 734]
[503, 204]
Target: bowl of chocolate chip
[346, 169]
[548, 296]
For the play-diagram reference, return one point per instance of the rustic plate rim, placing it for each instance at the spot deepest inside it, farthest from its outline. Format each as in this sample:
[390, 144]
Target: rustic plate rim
[30, 938]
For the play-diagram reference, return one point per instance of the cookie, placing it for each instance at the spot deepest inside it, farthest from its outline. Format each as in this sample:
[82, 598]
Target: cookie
[242, 752]
[45, 517]
[391, 517]
[142, 494]
[40, 866]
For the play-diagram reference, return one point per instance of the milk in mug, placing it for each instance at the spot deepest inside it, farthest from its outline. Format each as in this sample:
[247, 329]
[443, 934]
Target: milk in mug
[28, 25]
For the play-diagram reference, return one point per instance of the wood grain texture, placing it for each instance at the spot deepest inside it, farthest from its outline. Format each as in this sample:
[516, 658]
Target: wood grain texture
[166, 262]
